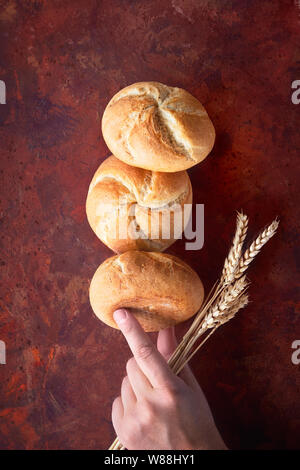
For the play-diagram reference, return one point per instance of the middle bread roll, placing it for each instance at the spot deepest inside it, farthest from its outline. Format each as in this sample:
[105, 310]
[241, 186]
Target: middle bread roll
[130, 208]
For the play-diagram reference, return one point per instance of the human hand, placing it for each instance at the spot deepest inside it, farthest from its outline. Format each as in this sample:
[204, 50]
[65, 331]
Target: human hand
[157, 409]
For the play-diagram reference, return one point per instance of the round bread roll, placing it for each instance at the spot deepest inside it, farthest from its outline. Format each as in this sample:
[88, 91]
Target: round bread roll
[134, 209]
[157, 127]
[159, 289]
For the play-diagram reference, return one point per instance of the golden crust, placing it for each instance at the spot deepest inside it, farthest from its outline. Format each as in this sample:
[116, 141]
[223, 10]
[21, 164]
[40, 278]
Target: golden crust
[137, 199]
[157, 127]
[160, 289]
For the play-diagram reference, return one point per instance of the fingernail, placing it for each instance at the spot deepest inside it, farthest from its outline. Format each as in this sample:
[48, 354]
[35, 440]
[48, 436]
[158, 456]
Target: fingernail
[120, 316]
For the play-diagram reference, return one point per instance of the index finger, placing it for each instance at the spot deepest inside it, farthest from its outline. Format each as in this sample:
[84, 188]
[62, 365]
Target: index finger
[151, 362]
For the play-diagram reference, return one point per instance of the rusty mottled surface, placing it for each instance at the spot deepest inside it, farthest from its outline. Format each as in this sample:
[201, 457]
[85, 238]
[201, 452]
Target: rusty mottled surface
[62, 62]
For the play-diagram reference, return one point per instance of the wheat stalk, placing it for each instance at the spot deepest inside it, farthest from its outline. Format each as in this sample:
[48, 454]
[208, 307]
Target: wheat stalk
[225, 299]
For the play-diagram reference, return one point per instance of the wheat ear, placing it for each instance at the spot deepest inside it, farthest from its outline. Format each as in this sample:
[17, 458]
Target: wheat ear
[222, 306]
[218, 313]
[234, 255]
[255, 248]
[224, 317]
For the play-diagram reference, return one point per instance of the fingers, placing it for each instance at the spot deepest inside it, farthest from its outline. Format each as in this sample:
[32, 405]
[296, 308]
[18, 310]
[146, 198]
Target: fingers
[117, 414]
[166, 342]
[147, 357]
[138, 381]
[127, 394]
[188, 377]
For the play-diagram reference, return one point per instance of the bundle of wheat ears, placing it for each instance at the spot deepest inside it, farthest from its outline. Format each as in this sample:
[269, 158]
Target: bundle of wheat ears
[226, 298]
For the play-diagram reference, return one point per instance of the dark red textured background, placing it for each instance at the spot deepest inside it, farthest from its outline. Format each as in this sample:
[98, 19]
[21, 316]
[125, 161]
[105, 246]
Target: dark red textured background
[61, 62]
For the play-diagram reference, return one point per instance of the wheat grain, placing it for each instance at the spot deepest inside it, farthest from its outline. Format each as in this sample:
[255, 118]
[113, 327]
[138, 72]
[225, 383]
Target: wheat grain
[240, 303]
[233, 258]
[220, 307]
[255, 248]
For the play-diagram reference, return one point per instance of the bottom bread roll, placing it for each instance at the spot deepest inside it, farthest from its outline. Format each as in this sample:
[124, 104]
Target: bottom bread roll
[159, 289]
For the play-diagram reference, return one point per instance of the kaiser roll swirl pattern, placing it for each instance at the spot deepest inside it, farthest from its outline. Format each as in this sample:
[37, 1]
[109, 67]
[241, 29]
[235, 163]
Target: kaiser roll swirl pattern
[157, 127]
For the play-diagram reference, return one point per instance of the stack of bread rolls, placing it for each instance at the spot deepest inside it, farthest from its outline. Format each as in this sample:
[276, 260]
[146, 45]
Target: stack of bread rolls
[155, 133]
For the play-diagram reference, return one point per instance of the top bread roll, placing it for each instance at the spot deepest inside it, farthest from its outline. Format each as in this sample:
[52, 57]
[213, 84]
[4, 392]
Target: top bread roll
[157, 127]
